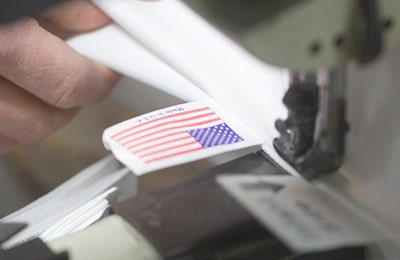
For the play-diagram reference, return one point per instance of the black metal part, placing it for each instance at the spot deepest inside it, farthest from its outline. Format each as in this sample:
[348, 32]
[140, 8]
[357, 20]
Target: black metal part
[312, 137]
[297, 131]
[32, 249]
[371, 41]
[7, 230]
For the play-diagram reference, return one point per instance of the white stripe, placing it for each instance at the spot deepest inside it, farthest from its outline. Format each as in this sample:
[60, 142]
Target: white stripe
[165, 146]
[165, 131]
[172, 151]
[161, 140]
[169, 125]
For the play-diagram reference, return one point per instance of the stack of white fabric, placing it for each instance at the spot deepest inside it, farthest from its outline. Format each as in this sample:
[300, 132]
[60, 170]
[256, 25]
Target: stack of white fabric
[73, 205]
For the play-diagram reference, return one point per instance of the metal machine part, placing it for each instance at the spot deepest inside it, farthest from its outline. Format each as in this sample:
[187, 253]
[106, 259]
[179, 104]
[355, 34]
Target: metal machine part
[197, 219]
[32, 249]
[203, 219]
[312, 138]
[314, 144]
[307, 36]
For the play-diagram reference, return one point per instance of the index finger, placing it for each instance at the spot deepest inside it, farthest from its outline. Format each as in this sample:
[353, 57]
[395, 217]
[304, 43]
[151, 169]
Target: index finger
[47, 67]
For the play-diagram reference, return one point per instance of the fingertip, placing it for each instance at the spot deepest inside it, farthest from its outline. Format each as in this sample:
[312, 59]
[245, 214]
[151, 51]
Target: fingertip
[100, 82]
[109, 77]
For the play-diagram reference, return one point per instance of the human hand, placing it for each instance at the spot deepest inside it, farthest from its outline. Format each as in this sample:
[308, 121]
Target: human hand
[43, 81]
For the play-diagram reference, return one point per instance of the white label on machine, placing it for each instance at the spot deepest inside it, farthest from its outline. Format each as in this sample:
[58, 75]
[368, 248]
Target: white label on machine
[176, 135]
[303, 217]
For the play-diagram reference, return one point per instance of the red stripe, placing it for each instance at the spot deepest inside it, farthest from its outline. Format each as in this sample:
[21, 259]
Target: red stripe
[168, 148]
[170, 128]
[151, 140]
[151, 121]
[166, 123]
[158, 144]
[171, 155]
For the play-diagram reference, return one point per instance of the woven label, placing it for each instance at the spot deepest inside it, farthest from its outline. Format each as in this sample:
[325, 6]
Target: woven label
[176, 135]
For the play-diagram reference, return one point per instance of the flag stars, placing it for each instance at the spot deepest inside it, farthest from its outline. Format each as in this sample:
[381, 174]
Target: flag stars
[216, 135]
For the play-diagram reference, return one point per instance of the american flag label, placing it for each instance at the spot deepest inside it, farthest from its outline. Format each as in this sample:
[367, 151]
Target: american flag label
[176, 135]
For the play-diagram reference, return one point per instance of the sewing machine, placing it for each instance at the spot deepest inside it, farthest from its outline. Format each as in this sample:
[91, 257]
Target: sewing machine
[331, 106]
[342, 100]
